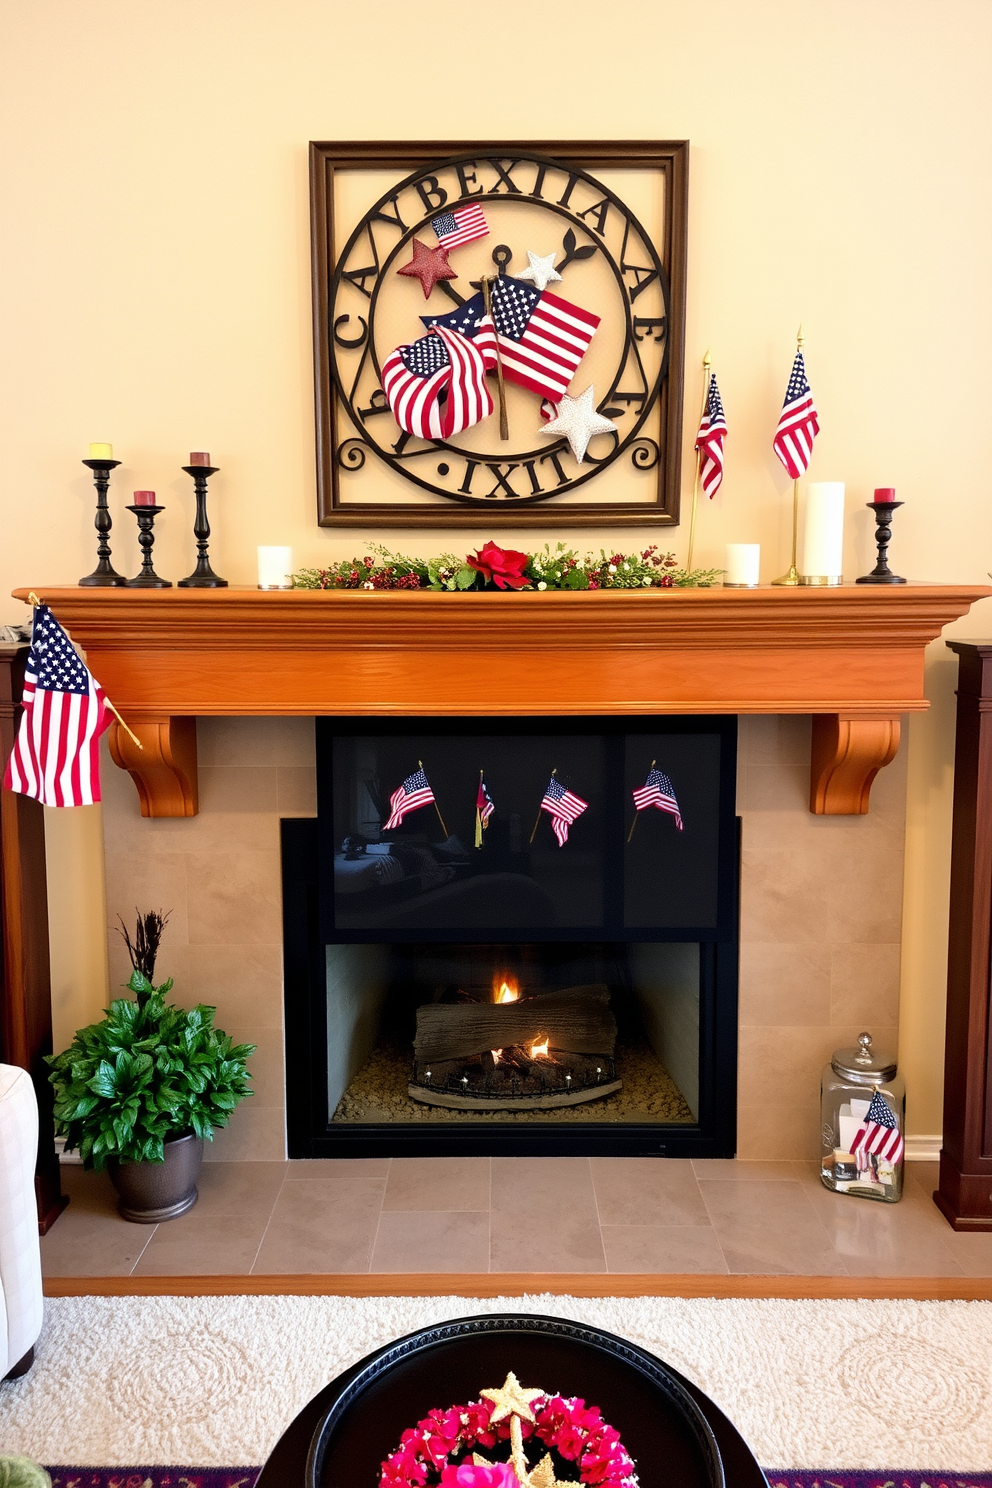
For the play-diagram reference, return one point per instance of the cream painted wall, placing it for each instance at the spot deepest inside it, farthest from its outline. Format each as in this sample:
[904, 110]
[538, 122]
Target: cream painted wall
[156, 280]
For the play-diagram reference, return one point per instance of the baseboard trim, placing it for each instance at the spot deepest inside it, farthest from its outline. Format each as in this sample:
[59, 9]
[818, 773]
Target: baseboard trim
[518, 1284]
[924, 1148]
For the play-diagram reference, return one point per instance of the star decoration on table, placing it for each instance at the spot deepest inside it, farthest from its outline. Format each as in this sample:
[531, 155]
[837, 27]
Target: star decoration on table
[540, 270]
[428, 265]
[541, 1476]
[511, 1400]
[578, 421]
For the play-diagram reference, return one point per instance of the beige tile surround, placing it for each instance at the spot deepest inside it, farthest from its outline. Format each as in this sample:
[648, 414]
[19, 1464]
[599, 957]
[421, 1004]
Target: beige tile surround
[820, 915]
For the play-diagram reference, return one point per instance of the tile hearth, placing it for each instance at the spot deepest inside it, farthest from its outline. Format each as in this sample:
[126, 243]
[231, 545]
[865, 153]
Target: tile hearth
[474, 1215]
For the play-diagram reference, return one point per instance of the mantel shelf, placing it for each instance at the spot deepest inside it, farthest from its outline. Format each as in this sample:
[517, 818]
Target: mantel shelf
[853, 656]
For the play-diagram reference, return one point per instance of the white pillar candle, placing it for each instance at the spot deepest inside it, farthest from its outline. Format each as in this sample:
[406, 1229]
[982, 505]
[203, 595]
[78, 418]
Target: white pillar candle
[275, 568]
[741, 565]
[823, 543]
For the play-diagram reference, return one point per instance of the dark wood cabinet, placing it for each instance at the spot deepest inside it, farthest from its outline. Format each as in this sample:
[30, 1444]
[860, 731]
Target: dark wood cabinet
[25, 984]
[964, 1194]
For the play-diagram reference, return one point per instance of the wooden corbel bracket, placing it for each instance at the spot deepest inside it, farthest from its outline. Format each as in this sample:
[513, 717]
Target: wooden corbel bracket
[847, 754]
[164, 768]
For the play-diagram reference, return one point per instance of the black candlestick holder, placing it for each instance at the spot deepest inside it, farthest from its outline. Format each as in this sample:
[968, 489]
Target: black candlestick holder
[203, 576]
[881, 573]
[104, 575]
[147, 578]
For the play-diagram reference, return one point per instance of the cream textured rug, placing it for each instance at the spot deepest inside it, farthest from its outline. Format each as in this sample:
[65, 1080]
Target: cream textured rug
[213, 1380]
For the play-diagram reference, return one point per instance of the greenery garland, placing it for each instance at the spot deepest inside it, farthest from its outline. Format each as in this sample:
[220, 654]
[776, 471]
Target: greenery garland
[495, 567]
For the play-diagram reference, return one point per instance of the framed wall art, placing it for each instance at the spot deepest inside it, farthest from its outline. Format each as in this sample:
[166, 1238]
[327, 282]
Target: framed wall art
[498, 333]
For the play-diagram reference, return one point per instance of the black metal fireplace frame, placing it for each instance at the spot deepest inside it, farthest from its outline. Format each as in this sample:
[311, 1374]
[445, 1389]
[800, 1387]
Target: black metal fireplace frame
[310, 1133]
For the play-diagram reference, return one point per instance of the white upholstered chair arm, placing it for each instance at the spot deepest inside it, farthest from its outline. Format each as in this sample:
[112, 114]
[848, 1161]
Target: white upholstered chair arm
[21, 1304]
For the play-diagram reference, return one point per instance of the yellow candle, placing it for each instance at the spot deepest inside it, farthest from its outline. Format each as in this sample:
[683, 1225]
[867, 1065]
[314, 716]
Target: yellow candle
[101, 451]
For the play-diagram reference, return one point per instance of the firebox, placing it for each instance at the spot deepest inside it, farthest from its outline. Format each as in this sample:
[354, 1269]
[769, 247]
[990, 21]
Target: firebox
[514, 935]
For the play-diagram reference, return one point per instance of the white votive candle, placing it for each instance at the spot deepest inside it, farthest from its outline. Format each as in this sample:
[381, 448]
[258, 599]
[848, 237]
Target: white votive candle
[823, 544]
[275, 568]
[741, 565]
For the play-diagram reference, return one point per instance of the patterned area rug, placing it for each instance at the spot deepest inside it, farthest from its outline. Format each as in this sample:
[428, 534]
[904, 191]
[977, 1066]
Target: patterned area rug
[157, 1477]
[836, 1390]
[244, 1477]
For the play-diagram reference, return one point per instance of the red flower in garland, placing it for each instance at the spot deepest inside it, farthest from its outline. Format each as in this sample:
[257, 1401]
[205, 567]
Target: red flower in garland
[503, 567]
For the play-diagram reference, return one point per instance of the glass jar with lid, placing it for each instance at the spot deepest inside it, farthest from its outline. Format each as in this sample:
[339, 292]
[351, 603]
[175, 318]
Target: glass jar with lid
[862, 1117]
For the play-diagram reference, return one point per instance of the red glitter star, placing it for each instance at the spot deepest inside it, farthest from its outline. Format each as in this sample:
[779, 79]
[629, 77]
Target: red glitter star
[428, 265]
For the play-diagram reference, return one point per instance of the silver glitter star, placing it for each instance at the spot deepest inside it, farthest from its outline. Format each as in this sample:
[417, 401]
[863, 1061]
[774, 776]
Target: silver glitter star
[540, 270]
[578, 421]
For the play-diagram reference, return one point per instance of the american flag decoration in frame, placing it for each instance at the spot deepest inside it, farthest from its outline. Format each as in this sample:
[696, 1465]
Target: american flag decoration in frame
[563, 269]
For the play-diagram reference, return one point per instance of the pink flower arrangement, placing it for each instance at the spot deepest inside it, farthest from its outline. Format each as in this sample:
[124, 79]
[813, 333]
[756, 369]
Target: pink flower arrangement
[574, 1430]
[500, 1475]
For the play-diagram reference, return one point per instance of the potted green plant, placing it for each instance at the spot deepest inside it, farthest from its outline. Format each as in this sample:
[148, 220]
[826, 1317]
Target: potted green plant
[140, 1091]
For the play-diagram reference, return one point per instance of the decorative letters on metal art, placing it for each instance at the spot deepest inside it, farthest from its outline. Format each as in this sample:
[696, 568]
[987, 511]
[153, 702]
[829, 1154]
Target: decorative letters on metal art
[556, 274]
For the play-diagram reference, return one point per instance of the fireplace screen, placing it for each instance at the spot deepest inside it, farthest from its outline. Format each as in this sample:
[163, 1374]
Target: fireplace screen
[514, 935]
[534, 832]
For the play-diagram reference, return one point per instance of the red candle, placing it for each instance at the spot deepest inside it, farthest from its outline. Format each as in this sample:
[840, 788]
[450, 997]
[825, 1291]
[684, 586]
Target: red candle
[199, 457]
[883, 493]
[144, 498]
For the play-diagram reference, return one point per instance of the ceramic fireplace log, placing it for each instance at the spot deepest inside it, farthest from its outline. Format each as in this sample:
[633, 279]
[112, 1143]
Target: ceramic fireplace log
[578, 1020]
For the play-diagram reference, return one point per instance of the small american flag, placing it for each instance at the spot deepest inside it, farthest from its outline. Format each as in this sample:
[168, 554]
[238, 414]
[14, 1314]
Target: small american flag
[484, 809]
[436, 386]
[56, 756]
[879, 1132]
[542, 338]
[658, 791]
[797, 423]
[463, 225]
[709, 440]
[564, 807]
[410, 796]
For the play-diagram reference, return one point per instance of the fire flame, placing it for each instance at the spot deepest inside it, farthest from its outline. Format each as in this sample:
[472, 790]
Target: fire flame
[505, 989]
[540, 1050]
[508, 991]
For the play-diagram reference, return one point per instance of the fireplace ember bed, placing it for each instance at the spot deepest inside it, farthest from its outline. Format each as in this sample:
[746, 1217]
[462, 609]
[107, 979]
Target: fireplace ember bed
[512, 1052]
[456, 987]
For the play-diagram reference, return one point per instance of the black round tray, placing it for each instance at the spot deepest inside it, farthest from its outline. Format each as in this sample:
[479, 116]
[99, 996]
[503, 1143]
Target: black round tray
[367, 1409]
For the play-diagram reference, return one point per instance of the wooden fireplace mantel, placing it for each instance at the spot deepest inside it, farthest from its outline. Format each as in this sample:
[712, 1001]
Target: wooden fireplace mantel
[852, 656]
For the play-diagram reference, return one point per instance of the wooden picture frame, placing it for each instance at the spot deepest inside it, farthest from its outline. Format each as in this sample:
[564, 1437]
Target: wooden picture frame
[370, 200]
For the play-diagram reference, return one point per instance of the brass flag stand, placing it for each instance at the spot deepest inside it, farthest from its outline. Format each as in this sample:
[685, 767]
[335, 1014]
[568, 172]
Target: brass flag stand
[707, 374]
[792, 578]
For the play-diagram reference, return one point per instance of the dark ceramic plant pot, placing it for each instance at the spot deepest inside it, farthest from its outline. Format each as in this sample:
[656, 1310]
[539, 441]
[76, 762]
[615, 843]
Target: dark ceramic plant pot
[148, 1192]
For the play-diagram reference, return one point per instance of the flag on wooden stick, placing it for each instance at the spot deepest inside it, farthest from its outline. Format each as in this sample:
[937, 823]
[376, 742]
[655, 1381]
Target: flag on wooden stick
[658, 791]
[56, 756]
[484, 809]
[878, 1133]
[541, 337]
[563, 806]
[410, 796]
